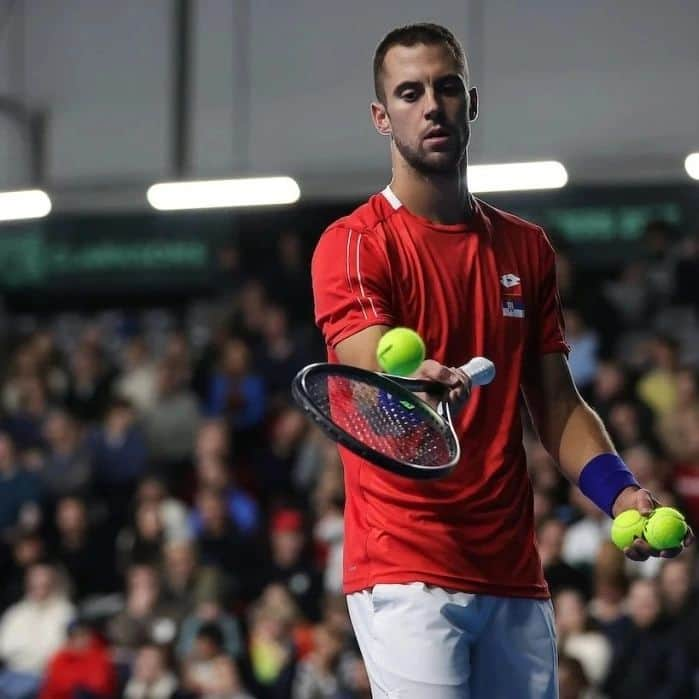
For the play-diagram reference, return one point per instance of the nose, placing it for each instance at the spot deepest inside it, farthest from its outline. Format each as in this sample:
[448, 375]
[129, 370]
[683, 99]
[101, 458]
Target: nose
[432, 105]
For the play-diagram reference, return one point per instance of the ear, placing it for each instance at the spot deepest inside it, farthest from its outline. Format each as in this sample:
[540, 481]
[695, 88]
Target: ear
[473, 104]
[380, 117]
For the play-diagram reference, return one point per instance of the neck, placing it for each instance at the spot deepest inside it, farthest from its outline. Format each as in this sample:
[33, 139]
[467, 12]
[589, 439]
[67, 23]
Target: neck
[443, 199]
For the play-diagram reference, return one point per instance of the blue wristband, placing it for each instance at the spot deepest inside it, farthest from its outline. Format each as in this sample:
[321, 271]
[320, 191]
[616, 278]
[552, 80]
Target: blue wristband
[603, 477]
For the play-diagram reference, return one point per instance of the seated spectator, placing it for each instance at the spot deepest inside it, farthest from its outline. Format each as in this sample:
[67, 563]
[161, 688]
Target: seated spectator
[25, 423]
[585, 535]
[81, 668]
[670, 427]
[317, 674]
[220, 543]
[171, 422]
[658, 385]
[291, 563]
[572, 682]
[119, 453]
[558, 573]
[236, 392]
[584, 345]
[20, 492]
[271, 649]
[90, 388]
[142, 542]
[152, 677]
[185, 581]
[610, 586]
[577, 638]
[209, 610]
[145, 617]
[85, 553]
[212, 473]
[209, 673]
[26, 548]
[649, 660]
[67, 468]
[685, 473]
[173, 513]
[137, 381]
[31, 631]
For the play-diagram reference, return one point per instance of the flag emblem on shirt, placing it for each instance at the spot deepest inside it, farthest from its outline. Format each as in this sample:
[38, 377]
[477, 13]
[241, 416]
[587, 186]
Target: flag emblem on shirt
[513, 307]
[509, 280]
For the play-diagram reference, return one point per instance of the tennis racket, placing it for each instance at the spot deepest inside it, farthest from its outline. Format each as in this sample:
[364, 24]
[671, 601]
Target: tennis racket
[379, 417]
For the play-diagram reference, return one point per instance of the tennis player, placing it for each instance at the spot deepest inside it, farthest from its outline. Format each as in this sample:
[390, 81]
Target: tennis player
[445, 587]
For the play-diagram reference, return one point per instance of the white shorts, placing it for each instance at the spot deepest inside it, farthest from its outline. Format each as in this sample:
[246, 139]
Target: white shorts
[422, 642]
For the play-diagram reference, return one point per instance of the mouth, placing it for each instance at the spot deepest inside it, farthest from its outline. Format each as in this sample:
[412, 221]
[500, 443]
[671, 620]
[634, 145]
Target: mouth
[436, 135]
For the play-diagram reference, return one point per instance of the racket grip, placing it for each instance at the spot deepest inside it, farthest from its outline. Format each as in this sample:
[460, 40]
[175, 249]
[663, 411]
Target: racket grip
[480, 370]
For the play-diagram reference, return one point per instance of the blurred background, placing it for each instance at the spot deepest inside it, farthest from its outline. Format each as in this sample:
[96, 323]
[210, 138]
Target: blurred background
[170, 525]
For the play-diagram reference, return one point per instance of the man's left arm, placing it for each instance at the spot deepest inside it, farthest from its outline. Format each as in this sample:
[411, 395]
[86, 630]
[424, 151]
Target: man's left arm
[575, 437]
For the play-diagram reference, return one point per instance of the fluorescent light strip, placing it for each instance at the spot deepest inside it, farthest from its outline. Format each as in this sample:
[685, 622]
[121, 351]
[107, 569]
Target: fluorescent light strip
[691, 165]
[510, 177]
[215, 194]
[24, 204]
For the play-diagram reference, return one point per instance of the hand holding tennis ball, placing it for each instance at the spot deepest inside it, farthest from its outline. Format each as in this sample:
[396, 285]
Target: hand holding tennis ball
[664, 528]
[400, 351]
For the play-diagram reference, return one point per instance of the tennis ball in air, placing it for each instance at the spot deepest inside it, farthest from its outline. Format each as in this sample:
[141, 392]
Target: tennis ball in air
[626, 527]
[665, 528]
[400, 351]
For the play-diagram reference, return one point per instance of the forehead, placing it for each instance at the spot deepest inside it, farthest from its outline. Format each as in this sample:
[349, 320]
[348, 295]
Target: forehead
[422, 63]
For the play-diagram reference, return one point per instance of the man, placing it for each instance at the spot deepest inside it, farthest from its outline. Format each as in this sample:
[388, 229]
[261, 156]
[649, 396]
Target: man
[444, 583]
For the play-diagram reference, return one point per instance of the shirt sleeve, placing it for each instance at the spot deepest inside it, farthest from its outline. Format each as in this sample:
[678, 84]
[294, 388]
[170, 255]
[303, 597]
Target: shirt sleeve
[351, 284]
[550, 328]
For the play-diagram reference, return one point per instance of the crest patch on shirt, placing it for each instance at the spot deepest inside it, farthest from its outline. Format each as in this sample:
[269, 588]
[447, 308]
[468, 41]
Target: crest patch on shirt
[513, 307]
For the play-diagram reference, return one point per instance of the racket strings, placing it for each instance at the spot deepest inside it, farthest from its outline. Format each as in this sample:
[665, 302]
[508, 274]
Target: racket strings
[381, 420]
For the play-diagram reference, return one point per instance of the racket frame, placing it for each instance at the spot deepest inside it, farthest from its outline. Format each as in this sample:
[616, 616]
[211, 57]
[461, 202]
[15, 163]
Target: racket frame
[403, 389]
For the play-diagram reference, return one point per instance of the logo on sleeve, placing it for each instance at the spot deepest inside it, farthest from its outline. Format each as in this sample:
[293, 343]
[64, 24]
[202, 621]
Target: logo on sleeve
[509, 280]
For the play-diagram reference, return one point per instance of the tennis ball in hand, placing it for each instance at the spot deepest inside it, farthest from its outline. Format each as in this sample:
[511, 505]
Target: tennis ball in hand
[626, 527]
[400, 351]
[665, 528]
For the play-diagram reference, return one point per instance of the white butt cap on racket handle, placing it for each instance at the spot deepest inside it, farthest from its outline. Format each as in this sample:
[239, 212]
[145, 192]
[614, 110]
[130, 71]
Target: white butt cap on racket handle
[480, 370]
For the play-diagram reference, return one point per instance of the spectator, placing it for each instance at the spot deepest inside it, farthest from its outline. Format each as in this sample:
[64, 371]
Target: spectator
[584, 346]
[143, 541]
[31, 631]
[658, 386]
[649, 660]
[145, 617]
[86, 555]
[235, 391]
[137, 382]
[209, 673]
[185, 579]
[585, 535]
[81, 668]
[572, 682]
[67, 468]
[291, 564]
[685, 476]
[27, 548]
[91, 382]
[317, 674]
[172, 513]
[119, 451]
[558, 573]
[209, 610]
[577, 638]
[171, 422]
[20, 492]
[152, 678]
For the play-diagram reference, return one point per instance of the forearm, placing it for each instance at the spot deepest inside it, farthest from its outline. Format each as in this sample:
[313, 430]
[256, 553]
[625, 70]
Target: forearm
[582, 436]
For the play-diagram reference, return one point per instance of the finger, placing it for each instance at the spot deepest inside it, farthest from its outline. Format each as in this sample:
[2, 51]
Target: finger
[634, 554]
[645, 502]
[644, 548]
[671, 553]
[689, 537]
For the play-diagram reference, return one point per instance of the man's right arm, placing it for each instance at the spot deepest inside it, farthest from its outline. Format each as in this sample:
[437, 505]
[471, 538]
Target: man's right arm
[360, 349]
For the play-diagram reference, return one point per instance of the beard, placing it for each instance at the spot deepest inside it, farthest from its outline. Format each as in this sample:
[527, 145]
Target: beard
[447, 162]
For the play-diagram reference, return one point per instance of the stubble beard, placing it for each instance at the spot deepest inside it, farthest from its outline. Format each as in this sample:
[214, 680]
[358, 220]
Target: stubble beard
[419, 160]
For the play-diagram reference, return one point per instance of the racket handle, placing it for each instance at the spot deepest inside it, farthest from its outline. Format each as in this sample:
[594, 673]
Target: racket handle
[480, 370]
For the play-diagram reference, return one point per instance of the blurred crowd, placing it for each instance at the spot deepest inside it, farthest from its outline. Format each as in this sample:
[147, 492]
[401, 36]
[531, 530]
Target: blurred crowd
[171, 525]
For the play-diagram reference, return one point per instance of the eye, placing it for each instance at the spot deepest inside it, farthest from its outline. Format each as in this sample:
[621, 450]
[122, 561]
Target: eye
[408, 95]
[451, 87]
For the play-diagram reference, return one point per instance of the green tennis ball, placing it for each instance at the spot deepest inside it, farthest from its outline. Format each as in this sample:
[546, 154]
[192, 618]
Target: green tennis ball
[665, 528]
[400, 351]
[626, 527]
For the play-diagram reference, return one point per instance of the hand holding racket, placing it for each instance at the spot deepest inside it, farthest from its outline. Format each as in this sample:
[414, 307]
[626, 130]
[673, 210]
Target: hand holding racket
[379, 417]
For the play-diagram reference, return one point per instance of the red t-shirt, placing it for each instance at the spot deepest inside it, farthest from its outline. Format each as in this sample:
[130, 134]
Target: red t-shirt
[483, 288]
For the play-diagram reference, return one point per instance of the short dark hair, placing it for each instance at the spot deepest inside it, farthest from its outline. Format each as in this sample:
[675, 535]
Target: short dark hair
[212, 632]
[410, 35]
